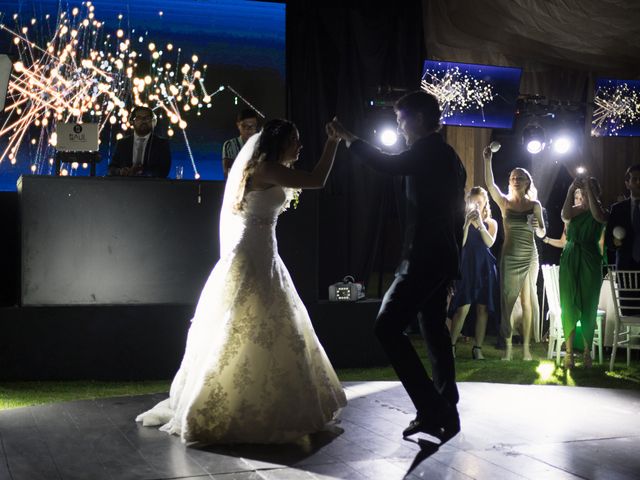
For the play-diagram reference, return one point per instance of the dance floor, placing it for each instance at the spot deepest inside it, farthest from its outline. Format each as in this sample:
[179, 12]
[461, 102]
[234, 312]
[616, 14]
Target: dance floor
[508, 431]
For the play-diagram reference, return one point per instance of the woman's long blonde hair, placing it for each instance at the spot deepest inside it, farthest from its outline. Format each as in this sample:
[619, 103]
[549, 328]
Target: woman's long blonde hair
[531, 192]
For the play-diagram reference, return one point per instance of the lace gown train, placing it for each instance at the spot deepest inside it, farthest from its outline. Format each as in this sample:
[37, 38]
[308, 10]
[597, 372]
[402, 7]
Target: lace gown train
[253, 369]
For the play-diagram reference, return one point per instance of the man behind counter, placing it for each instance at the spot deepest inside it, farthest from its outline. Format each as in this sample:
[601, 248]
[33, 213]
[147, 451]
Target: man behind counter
[144, 153]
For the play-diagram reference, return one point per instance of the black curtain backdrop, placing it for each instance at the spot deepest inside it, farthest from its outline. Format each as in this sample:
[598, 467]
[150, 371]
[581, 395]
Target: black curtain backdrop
[337, 57]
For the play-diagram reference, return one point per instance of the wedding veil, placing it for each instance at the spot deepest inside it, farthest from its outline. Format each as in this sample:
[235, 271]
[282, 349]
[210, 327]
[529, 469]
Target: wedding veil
[231, 222]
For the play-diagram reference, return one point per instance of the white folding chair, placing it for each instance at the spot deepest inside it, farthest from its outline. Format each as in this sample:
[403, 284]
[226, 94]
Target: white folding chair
[625, 290]
[552, 290]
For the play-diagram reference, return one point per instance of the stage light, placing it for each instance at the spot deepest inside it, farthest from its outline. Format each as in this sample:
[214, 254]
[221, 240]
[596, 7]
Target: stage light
[388, 137]
[562, 144]
[533, 138]
[581, 170]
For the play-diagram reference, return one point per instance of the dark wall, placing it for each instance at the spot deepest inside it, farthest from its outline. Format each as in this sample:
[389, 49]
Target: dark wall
[116, 241]
[9, 248]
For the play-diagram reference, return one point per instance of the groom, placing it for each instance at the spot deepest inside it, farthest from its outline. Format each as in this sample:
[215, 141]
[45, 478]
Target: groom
[434, 184]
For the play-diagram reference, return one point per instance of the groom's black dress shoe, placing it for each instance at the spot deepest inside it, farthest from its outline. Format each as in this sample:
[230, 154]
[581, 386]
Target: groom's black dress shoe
[445, 428]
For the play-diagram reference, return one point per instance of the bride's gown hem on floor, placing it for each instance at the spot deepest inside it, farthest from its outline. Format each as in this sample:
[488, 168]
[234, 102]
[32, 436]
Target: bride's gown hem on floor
[253, 369]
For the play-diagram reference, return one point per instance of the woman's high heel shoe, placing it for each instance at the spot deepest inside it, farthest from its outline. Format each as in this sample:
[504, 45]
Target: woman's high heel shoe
[476, 353]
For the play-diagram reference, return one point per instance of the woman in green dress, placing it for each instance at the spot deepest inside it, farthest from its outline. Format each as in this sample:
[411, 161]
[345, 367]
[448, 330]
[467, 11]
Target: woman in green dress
[581, 264]
[521, 218]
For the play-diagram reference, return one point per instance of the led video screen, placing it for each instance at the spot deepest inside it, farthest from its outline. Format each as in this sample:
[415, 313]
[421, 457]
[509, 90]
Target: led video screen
[473, 95]
[616, 108]
[197, 63]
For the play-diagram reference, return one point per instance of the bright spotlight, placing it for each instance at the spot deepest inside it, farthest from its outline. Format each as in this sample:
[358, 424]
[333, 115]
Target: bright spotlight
[581, 170]
[388, 137]
[562, 145]
[533, 138]
[534, 146]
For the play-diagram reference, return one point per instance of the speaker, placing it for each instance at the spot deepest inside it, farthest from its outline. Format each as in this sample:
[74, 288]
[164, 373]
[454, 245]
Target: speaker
[5, 73]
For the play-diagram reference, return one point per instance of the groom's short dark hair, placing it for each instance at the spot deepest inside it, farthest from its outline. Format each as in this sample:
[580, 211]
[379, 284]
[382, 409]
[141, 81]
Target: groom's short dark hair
[633, 168]
[424, 103]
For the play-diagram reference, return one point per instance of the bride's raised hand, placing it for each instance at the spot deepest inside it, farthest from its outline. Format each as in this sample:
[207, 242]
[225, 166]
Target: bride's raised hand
[332, 133]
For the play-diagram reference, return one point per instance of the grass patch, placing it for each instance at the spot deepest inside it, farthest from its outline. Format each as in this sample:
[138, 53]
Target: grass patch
[492, 370]
[26, 394]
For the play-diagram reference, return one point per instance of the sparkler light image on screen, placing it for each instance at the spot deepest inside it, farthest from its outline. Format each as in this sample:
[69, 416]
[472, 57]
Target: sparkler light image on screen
[616, 111]
[473, 95]
[196, 63]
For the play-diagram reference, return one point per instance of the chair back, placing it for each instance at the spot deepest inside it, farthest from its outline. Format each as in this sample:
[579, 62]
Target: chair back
[550, 274]
[625, 291]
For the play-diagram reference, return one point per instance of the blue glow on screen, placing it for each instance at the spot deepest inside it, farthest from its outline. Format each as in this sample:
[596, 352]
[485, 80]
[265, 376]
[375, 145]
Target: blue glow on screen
[242, 43]
[616, 111]
[473, 95]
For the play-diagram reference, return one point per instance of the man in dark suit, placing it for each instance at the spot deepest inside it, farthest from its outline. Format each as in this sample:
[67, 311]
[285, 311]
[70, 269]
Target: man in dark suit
[144, 153]
[625, 240]
[434, 190]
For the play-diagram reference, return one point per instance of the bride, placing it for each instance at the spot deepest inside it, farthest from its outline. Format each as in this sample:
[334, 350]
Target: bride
[253, 370]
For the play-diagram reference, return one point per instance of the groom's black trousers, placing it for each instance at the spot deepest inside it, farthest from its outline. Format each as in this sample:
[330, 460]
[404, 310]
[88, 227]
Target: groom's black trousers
[424, 297]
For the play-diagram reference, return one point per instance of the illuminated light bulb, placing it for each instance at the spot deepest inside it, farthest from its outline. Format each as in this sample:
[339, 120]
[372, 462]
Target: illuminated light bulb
[185, 69]
[75, 11]
[85, 165]
[33, 141]
[194, 59]
[53, 140]
[18, 67]
[64, 30]
[112, 120]
[169, 46]
[155, 55]
[33, 21]
[51, 161]
[75, 165]
[161, 13]
[25, 30]
[123, 46]
[16, 40]
[182, 124]
[85, 23]
[173, 118]
[74, 33]
[194, 101]
[119, 33]
[152, 47]
[197, 74]
[206, 99]
[186, 107]
[64, 172]
[170, 132]
[197, 176]
[33, 169]
[119, 136]
[120, 17]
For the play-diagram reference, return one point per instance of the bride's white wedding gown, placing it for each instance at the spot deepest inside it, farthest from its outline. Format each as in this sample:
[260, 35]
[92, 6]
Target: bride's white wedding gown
[253, 370]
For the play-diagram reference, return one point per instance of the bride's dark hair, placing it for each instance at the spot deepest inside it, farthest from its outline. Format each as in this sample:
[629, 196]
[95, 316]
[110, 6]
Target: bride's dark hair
[274, 138]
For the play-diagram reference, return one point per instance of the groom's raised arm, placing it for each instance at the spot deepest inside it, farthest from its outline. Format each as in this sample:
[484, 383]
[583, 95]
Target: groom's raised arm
[404, 163]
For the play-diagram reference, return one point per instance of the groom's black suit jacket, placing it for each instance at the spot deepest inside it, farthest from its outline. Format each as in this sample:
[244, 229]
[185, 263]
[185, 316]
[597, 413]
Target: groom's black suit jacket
[620, 216]
[156, 156]
[434, 191]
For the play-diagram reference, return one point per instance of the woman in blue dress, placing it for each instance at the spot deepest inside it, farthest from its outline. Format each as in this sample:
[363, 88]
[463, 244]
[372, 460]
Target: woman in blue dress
[478, 284]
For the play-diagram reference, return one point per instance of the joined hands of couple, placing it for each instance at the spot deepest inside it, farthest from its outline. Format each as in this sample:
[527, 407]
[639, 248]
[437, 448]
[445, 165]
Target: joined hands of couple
[336, 131]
